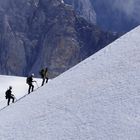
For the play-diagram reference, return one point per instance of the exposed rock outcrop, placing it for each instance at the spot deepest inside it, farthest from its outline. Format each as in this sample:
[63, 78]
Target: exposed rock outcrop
[83, 8]
[40, 33]
[115, 16]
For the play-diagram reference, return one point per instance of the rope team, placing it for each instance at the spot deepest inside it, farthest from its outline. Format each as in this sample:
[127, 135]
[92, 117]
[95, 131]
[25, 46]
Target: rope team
[29, 80]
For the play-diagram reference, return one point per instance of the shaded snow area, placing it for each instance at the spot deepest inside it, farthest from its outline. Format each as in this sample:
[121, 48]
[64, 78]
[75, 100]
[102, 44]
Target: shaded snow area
[99, 99]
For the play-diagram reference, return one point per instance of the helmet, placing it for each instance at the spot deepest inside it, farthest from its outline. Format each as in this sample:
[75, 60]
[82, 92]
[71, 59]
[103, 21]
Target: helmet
[10, 87]
[32, 74]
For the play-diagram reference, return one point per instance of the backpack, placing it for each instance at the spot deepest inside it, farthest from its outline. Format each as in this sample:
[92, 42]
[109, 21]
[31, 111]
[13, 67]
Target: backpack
[28, 80]
[6, 94]
[42, 73]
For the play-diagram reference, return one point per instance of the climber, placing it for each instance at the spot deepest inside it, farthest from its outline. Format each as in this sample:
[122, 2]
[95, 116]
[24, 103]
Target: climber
[44, 75]
[30, 81]
[9, 95]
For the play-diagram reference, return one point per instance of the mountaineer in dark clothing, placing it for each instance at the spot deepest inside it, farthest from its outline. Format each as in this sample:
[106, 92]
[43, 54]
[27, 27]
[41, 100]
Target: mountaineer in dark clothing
[44, 75]
[30, 81]
[9, 95]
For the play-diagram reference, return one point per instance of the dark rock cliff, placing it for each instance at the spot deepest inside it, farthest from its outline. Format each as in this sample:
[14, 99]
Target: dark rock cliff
[40, 33]
[84, 9]
[110, 15]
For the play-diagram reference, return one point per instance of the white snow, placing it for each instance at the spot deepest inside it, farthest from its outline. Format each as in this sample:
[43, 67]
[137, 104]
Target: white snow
[19, 87]
[99, 99]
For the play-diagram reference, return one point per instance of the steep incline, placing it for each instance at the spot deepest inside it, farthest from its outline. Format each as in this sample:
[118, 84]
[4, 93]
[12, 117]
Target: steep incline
[99, 99]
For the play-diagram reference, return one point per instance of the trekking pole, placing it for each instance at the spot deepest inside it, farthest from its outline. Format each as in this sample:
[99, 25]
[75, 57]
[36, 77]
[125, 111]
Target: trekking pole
[37, 84]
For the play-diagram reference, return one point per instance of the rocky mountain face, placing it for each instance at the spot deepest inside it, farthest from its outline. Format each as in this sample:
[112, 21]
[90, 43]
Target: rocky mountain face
[115, 16]
[83, 8]
[40, 33]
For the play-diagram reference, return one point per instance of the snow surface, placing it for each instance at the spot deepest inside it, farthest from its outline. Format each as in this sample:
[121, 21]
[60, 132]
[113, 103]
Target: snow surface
[99, 99]
[19, 87]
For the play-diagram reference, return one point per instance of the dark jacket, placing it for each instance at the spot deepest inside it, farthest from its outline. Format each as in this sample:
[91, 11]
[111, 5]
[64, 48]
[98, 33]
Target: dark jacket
[30, 80]
[42, 73]
[8, 93]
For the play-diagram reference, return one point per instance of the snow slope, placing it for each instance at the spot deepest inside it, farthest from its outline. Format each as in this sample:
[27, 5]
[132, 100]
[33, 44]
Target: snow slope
[99, 99]
[19, 87]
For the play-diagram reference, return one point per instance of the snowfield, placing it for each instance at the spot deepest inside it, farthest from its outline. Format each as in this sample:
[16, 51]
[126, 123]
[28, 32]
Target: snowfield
[99, 99]
[19, 87]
